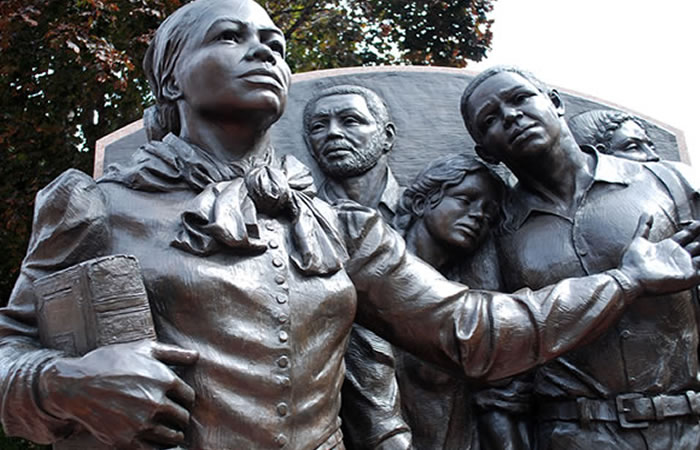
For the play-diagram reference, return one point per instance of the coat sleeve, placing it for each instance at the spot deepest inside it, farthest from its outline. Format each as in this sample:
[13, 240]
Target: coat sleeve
[371, 409]
[486, 335]
[69, 226]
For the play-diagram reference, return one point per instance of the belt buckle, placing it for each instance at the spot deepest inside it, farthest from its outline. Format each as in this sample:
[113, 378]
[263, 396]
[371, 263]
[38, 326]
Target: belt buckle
[585, 413]
[622, 411]
[693, 399]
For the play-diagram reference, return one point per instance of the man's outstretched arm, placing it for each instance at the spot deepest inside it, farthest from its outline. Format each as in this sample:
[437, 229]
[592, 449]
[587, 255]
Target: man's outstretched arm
[489, 335]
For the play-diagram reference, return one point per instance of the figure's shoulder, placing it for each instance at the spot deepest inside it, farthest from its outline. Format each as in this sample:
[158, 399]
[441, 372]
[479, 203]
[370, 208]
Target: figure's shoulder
[163, 166]
[70, 221]
[71, 193]
[679, 178]
[685, 174]
[69, 179]
[682, 184]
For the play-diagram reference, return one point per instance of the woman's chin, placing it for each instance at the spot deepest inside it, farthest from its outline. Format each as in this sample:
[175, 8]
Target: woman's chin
[258, 115]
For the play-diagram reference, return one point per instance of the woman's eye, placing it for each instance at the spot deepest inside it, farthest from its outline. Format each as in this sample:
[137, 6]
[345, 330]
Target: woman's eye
[276, 47]
[631, 146]
[230, 35]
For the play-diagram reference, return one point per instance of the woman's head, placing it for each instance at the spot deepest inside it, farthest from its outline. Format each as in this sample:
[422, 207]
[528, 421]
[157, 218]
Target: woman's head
[458, 200]
[614, 133]
[221, 59]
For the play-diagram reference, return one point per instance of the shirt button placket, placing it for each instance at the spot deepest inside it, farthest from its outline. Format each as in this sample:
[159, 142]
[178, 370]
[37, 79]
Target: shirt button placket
[580, 244]
[280, 275]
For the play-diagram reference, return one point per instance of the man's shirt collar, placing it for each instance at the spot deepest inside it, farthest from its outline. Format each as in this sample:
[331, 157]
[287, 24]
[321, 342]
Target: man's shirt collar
[606, 169]
[389, 200]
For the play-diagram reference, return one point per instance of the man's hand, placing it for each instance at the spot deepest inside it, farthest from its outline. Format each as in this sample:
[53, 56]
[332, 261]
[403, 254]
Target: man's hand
[124, 394]
[671, 265]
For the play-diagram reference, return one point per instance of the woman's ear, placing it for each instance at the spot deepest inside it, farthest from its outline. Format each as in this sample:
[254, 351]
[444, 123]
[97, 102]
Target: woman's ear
[170, 90]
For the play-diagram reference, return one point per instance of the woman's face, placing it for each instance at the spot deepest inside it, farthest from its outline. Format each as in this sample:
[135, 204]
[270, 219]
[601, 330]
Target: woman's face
[236, 68]
[466, 212]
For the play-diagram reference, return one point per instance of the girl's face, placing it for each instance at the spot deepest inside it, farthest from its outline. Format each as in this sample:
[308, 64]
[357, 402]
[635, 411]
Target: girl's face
[466, 212]
[236, 67]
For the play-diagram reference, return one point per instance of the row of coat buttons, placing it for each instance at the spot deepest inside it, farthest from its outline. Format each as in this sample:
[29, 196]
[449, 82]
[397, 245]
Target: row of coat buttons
[279, 279]
[281, 298]
[283, 361]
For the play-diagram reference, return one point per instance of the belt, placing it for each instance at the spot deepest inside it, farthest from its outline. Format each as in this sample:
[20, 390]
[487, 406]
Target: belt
[629, 410]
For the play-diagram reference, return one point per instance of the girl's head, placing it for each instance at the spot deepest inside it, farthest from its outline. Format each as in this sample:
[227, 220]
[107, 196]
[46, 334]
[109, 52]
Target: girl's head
[457, 198]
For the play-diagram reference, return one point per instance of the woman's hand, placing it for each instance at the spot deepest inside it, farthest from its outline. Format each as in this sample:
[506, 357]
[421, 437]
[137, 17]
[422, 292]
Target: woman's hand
[124, 394]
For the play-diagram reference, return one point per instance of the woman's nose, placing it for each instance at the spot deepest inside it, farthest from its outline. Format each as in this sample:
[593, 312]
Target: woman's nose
[262, 52]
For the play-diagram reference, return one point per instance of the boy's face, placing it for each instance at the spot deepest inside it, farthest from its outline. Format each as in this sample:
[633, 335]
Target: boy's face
[513, 119]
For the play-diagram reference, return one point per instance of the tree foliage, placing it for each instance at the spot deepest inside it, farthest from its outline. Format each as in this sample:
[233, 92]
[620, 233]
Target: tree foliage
[70, 72]
[341, 33]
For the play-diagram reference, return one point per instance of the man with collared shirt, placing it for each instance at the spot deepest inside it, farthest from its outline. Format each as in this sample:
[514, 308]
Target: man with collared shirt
[349, 133]
[571, 214]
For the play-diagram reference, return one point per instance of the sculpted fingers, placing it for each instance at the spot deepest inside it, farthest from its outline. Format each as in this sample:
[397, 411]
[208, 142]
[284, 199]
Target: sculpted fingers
[689, 233]
[696, 265]
[164, 427]
[182, 393]
[163, 435]
[693, 248]
[644, 225]
[170, 354]
[118, 392]
[171, 412]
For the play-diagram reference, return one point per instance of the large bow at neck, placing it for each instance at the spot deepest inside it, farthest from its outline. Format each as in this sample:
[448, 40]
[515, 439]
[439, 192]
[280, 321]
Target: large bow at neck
[224, 214]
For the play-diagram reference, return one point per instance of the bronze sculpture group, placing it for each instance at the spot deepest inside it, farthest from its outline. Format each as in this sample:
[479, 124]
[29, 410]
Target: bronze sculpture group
[255, 282]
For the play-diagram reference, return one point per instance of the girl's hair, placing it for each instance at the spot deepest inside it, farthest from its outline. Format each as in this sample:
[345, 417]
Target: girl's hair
[428, 189]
